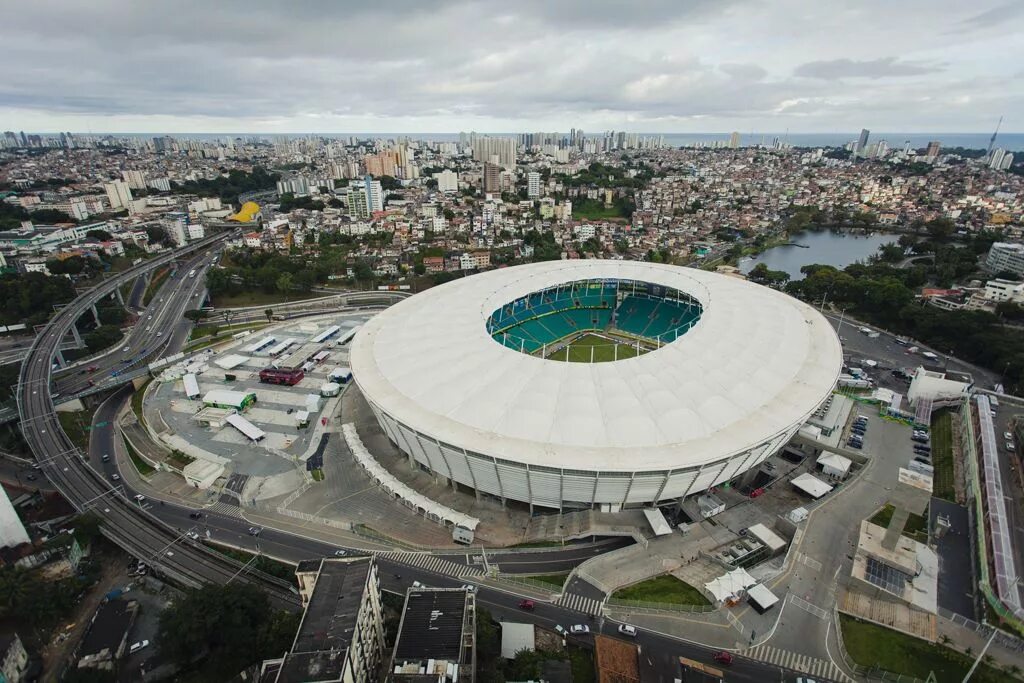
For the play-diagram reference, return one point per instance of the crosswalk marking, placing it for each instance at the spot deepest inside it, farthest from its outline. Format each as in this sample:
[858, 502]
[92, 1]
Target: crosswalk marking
[226, 510]
[812, 666]
[579, 603]
[431, 563]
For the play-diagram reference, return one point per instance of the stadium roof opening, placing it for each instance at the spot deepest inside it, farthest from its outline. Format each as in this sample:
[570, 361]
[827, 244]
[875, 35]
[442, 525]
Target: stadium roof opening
[594, 321]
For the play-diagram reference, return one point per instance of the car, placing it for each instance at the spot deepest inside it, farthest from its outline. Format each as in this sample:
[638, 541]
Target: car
[579, 628]
[417, 584]
[627, 630]
[159, 334]
[723, 657]
[81, 372]
[469, 588]
[857, 437]
[125, 349]
[855, 444]
[139, 498]
[804, 679]
[115, 476]
[340, 553]
[1009, 446]
[255, 530]
[93, 368]
[924, 460]
[527, 605]
[195, 515]
[105, 457]
[193, 535]
[1007, 435]
[138, 646]
[560, 630]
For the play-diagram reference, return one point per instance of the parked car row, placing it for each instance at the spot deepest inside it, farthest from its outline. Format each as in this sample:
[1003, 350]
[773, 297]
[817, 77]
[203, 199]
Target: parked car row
[857, 432]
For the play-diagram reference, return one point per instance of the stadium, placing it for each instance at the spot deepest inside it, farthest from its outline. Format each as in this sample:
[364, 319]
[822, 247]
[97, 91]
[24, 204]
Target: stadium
[594, 384]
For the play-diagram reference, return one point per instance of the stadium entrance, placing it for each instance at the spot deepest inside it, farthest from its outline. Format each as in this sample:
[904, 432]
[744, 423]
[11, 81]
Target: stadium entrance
[594, 321]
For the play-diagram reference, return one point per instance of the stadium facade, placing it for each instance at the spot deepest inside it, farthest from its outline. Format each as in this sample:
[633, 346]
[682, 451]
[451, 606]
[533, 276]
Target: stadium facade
[682, 380]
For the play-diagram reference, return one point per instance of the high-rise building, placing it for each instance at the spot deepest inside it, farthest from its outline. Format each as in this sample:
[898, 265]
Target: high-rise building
[862, 142]
[12, 531]
[996, 159]
[934, 147]
[447, 181]
[136, 179]
[533, 184]
[734, 140]
[492, 177]
[504, 148]
[118, 193]
[374, 194]
[1005, 256]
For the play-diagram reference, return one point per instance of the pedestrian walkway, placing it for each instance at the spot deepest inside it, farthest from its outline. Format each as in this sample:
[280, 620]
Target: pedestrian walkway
[579, 603]
[431, 563]
[225, 509]
[819, 668]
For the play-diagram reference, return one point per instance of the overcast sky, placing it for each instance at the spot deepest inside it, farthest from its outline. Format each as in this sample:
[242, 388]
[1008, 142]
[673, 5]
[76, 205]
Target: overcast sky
[522, 65]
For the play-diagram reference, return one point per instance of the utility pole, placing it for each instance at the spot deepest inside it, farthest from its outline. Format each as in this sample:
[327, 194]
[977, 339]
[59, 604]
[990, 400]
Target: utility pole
[994, 631]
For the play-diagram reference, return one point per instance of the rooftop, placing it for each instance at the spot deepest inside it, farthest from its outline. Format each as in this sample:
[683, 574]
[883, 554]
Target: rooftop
[431, 627]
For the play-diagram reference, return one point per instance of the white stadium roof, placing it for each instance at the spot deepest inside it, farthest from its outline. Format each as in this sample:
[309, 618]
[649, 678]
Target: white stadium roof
[757, 363]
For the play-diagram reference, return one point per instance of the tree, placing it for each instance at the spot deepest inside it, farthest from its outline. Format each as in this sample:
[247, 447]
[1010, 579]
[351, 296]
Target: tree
[940, 228]
[269, 313]
[763, 276]
[285, 283]
[101, 235]
[195, 314]
[234, 624]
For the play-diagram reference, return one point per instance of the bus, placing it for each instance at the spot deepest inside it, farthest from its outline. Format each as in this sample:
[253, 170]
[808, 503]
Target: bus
[289, 376]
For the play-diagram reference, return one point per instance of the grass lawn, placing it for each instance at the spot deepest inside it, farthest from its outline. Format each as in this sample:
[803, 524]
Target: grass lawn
[258, 298]
[582, 662]
[263, 563]
[592, 348]
[872, 645]
[942, 455]
[594, 210]
[137, 401]
[915, 528]
[74, 425]
[664, 588]
[144, 468]
[556, 580]
[224, 331]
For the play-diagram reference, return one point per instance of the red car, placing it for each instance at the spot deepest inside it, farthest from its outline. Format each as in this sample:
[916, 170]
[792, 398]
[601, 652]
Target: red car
[757, 492]
[723, 657]
[527, 605]
[93, 368]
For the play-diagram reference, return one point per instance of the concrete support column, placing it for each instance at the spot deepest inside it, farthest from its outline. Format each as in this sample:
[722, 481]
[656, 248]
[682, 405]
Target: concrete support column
[59, 357]
[120, 297]
[77, 337]
[95, 315]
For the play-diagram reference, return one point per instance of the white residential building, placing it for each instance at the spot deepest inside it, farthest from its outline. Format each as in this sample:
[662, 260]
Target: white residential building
[533, 185]
[447, 181]
[118, 194]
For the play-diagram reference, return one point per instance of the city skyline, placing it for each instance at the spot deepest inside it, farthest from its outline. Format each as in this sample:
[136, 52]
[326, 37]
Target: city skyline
[657, 69]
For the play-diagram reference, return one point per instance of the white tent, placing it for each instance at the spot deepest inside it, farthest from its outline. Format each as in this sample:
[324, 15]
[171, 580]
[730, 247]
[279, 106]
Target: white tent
[230, 361]
[811, 485]
[730, 585]
[834, 465]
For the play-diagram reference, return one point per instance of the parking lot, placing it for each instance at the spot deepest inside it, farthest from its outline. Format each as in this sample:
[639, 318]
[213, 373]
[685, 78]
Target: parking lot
[277, 408]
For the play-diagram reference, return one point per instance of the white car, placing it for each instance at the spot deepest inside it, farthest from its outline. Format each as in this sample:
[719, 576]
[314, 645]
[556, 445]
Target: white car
[469, 588]
[627, 630]
[1008, 436]
[579, 628]
[115, 477]
[138, 646]
[340, 553]
[1009, 446]
[193, 535]
[139, 498]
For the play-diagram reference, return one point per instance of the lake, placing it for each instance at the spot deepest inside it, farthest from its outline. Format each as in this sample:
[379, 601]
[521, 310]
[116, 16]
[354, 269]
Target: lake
[838, 249]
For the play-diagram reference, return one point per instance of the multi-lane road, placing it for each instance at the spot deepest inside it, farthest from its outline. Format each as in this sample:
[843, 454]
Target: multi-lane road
[158, 532]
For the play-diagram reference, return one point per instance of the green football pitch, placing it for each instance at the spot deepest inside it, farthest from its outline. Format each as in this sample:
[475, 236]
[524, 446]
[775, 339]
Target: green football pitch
[590, 348]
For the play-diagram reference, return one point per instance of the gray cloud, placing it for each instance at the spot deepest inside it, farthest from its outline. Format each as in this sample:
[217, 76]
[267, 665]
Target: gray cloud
[660, 64]
[885, 67]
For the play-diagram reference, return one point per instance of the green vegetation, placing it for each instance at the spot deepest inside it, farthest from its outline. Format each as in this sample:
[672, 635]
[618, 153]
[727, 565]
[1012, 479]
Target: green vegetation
[528, 665]
[180, 459]
[488, 647]
[916, 526]
[103, 337]
[875, 646]
[143, 467]
[318, 474]
[942, 455]
[556, 580]
[25, 598]
[256, 298]
[30, 297]
[596, 210]
[233, 625]
[11, 216]
[665, 588]
[155, 281]
[763, 276]
[592, 348]
[289, 202]
[228, 187]
[76, 426]
[883, 295]
[544, 246]
[137, 397]
[264, 564]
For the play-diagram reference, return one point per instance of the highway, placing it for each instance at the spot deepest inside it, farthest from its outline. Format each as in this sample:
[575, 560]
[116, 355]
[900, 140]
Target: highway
[157, 532]
[124, 522]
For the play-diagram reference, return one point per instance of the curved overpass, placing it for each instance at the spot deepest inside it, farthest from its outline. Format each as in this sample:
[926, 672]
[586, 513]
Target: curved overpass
[125, 522]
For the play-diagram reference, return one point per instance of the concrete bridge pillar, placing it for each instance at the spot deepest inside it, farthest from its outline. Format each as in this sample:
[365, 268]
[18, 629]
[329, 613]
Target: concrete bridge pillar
[59, 357]
[95, 315]
[77, 337]
[120, 297]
